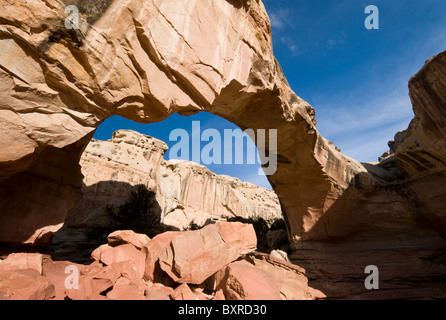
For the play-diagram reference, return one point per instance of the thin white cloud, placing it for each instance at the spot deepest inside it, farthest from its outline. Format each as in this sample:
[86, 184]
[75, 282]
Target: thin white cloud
[291, 45]
[280, 19]
[361, 123]
[334, 42]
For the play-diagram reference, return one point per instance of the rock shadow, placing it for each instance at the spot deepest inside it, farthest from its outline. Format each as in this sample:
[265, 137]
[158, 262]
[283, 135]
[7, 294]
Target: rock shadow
[105, 207]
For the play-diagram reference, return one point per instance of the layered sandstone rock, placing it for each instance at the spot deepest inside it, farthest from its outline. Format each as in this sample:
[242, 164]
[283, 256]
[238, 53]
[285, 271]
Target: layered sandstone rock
[145, 61]
[421, 152]
[111, 170]
[189, 192]
[401, 225]
[186, 192]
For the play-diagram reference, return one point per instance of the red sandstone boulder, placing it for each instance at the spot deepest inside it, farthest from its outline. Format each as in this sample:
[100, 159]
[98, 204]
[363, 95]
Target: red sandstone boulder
[21, 278]
[128, 270]
[96, 254]
[126, 252]
[219, 295]
[20, 261]
[183, 292]
[161, 289]
[194, 256]
[125, 289]
[29, 284]
[243, 281]
[93, 282]
[128, 236]
[155, 295]
[289, 278]
[153, 250]
[97, 282]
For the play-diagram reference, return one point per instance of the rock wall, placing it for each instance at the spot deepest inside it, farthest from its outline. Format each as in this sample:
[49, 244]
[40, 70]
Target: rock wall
[191, 193]
[421, 154]
[186, 192]
[111, 170]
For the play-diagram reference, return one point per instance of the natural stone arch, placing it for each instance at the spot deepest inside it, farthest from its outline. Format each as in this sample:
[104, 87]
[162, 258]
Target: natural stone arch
[145, 60]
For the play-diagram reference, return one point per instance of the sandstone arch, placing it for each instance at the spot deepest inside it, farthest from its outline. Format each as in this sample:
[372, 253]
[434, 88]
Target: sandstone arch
[145, 60]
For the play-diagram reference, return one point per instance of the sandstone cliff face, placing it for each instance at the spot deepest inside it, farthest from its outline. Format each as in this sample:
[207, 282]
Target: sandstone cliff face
[191, 193]
[111, 169]
[421, 154]
[144, 61]
[186, 192]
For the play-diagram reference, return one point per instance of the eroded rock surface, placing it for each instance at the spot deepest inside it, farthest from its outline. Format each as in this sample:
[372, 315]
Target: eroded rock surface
[186, 192]
[144, 61]
[111, 170]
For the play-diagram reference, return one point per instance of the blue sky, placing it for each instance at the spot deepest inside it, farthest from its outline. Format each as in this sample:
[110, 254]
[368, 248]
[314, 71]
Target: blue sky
[356, 79]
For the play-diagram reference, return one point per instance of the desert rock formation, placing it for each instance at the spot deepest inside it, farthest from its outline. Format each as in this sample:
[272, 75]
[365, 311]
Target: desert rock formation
[186, 192]
[143, 61]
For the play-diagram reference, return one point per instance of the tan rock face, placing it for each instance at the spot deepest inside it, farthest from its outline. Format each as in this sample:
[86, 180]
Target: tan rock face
[186, 192]
[111, 169]
[421, 154]
[143, 61]
[400, 226]
[189, 192]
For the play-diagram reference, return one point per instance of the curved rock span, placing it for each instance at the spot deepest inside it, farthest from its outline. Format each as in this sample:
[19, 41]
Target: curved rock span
[146, 61]
[215, 57]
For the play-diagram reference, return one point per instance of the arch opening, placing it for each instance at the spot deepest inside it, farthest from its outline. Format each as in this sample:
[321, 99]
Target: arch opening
[132, 181]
